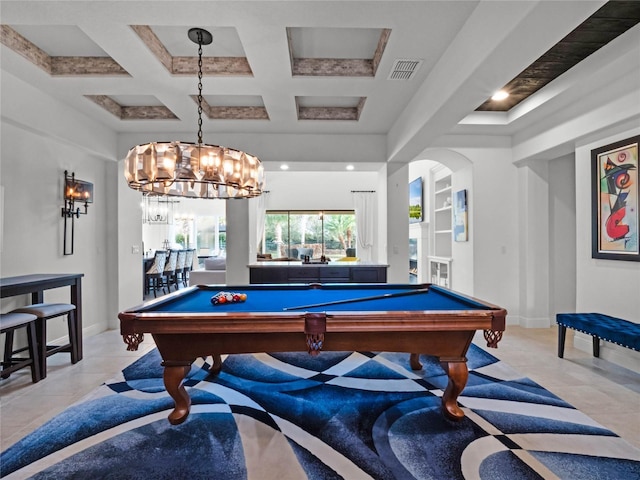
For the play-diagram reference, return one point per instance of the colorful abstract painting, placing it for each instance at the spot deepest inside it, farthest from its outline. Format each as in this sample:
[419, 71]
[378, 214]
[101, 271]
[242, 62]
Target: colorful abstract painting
[615, 201]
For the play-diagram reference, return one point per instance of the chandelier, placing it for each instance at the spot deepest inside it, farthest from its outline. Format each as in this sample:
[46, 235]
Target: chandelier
[194, 170]
[157, 210]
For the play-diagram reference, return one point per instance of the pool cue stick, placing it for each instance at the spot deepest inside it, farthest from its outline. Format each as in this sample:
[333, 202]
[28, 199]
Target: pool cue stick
[361, 299]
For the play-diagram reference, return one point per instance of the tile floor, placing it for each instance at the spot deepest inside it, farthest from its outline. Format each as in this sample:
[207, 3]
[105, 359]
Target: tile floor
[607, 393]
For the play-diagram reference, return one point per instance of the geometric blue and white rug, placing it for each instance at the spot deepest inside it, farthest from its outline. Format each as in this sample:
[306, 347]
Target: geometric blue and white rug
[340, 415]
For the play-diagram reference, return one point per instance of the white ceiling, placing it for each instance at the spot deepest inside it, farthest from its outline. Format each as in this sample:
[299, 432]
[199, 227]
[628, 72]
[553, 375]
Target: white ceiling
[468, 50]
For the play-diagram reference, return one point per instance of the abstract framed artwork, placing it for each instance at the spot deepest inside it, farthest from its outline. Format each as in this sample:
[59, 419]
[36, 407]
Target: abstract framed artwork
[614, 201]
[460, 218]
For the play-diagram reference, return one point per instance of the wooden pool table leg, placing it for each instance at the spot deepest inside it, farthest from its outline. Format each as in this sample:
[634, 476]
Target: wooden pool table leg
[414, 361]
[173, 376]
[458, 374]
[217, 364]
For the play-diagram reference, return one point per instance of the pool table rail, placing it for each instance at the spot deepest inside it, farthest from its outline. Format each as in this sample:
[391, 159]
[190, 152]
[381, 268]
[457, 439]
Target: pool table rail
[133, 325]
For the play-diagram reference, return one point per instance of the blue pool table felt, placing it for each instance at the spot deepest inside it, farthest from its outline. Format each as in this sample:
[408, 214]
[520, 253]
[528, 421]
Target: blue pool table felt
[277, 299]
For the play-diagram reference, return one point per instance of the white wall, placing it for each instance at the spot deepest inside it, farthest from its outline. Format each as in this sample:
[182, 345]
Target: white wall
[32, 174]
[493, 229]
[398, 223]
[238, 242]
[462, 267]
[562, 231]
[487, 265]
[40, 138]
[316, 190]
[129, 255]
[606, 286]
[533, 236]
[380, 251]
[112, 175]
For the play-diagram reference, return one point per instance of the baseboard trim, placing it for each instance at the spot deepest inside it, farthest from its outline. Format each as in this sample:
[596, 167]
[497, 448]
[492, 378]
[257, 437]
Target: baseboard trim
[624, 357]
[524, 322]
[89, 331]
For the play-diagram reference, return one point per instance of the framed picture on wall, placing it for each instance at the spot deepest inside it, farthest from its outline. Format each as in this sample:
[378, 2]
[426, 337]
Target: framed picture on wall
[415, 201]
[460, 217]
[614, 201]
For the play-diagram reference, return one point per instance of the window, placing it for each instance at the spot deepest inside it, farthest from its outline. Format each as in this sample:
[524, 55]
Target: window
[292, 233]
[211, 235]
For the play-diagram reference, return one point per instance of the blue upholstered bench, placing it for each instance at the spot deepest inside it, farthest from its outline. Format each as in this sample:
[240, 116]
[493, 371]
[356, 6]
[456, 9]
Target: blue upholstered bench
[599, 326]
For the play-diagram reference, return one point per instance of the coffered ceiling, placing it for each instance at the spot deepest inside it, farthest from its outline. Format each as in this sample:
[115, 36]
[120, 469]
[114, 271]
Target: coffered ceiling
[300, 67]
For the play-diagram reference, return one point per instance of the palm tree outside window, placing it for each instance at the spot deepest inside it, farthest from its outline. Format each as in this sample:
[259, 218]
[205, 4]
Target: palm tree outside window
[291, 233]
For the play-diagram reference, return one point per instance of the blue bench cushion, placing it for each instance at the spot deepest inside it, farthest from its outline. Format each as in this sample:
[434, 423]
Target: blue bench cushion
[616, 330]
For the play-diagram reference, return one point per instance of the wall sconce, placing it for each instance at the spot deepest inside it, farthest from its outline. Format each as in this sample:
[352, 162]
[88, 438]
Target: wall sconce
[74, 191]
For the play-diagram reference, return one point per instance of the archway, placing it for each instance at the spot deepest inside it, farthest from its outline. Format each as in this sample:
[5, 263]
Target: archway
[444, 256]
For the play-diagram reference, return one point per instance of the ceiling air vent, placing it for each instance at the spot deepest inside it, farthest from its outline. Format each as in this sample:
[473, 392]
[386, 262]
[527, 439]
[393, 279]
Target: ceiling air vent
[404, 69]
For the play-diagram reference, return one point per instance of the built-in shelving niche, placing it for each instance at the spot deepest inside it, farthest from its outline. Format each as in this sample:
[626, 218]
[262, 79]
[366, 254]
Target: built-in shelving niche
[439, 267]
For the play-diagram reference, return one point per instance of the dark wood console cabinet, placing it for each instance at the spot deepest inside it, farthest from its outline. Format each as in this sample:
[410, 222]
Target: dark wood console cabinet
[317, 273]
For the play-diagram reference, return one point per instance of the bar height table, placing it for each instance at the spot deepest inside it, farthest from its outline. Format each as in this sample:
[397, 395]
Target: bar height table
[35, 284]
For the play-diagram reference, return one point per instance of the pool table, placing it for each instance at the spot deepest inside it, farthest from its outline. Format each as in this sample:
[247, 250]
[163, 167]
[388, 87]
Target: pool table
[416, 318]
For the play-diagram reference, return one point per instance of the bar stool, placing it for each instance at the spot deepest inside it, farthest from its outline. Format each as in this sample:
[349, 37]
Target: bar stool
[188, 266]
[44, 312]
[153, 278]
[170, 270]
[9, 323]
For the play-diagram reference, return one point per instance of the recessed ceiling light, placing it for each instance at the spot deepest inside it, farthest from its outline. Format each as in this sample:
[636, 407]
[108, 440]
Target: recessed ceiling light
[284, 166]
[350, 167]
[499, 95]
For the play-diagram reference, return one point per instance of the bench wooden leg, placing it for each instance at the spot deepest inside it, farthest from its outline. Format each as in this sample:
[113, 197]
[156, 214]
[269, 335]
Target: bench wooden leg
[562, 333]
[41, 338]
[596, 346]
[72, 327]
[32, 339]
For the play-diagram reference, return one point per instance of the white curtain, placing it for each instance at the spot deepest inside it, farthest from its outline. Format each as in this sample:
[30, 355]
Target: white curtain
[365, 203]
[261, 214]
